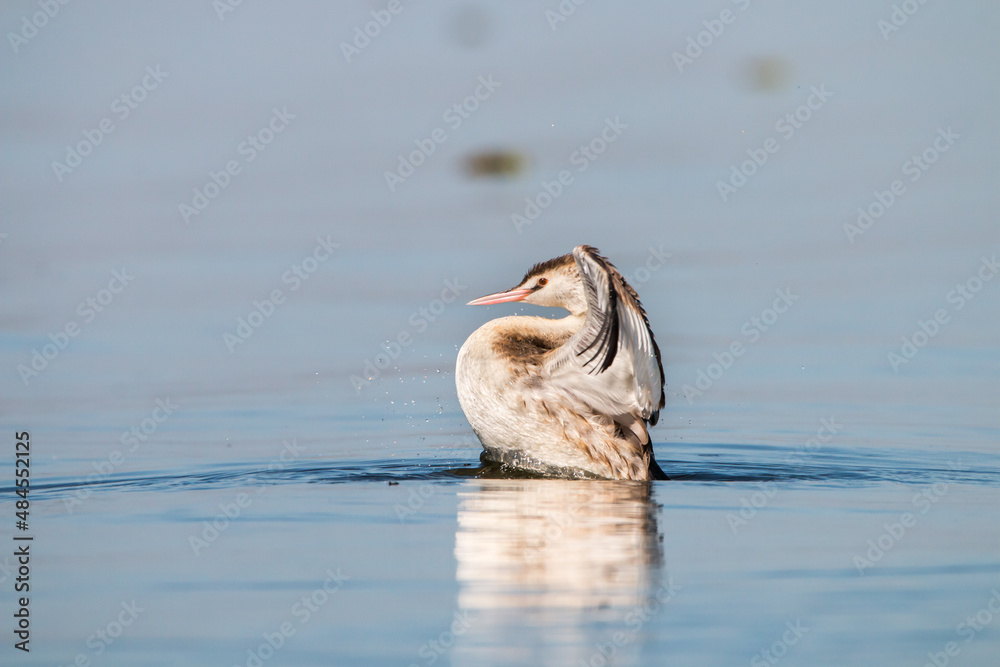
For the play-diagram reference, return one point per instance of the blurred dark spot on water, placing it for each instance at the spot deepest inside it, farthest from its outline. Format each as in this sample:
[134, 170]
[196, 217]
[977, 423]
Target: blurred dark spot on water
[767, 74]
[470, 26]
[496, 163]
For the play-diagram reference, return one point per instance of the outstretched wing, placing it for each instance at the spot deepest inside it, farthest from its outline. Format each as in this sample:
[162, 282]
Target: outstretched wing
[613, 363]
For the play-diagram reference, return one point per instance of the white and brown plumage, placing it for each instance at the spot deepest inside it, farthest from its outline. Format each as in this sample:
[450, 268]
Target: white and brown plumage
[572, 395]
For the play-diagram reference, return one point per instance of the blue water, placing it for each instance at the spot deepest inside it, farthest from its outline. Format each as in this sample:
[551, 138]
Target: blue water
[537, 571]
[312, 494]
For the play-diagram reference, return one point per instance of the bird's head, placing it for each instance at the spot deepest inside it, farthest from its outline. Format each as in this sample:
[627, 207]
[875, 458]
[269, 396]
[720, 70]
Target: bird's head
[556, 283]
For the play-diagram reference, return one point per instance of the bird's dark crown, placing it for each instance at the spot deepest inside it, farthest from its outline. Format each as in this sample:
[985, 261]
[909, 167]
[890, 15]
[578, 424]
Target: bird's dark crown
[549, 265]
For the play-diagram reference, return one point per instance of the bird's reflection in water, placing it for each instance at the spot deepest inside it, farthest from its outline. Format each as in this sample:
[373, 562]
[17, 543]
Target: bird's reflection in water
[549, 569]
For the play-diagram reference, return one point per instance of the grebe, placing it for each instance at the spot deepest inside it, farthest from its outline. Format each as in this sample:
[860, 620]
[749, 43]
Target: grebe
[568, 396]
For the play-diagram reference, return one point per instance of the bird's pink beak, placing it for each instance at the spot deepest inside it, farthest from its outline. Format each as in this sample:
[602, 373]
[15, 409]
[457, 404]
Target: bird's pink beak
[501, 297]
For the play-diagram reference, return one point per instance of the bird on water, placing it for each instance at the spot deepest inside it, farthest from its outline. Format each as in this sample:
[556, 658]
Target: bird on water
[570, 396]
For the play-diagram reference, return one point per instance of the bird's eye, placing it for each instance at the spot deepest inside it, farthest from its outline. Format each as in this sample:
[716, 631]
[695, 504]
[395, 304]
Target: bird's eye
[542, 282]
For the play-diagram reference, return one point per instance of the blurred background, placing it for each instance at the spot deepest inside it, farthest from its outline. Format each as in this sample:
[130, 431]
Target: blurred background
[352, 118]
[268, 217]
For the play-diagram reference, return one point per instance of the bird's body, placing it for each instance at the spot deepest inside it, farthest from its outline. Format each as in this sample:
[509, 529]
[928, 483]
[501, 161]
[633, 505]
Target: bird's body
[571, 395]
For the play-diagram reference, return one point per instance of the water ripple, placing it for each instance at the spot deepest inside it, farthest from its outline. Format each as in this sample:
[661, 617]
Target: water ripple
[709, 465]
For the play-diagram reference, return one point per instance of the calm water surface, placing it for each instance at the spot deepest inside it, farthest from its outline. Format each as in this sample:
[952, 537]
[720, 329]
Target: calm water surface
[270, 502]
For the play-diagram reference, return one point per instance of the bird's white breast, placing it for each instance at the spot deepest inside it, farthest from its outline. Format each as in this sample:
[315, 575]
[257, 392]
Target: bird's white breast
[518, 414]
